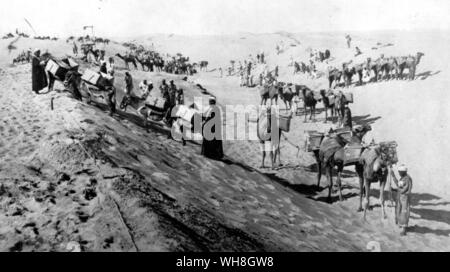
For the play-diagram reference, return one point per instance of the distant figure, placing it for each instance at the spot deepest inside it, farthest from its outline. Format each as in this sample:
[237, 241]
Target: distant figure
[164, 88]
[221, 72]
[403, 197]
[103, 68]
[358, 51]
[75, 49]
[38, 74]
[212, 135]
[262, 57]
[347, 121]
[349, 41]
[128, 83]
[180, 97]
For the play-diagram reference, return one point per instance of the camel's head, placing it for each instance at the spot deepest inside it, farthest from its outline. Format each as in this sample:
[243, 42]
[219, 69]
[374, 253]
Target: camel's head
[420, 54]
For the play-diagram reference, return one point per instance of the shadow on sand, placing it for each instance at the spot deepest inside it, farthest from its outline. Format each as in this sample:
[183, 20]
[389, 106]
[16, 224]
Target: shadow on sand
[427, 74]
[420, 199]
[365, 119]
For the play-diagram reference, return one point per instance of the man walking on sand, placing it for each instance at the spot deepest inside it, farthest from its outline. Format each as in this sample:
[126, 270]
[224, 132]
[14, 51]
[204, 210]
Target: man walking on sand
[349, 41]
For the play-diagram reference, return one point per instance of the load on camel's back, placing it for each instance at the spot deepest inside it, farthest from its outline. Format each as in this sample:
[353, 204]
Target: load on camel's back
[270, 125]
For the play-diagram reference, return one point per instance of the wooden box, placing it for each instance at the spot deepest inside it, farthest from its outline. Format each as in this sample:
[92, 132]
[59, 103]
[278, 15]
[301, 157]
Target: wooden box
[352, 154]
[58, 68]
[91, 77]
[313, 140]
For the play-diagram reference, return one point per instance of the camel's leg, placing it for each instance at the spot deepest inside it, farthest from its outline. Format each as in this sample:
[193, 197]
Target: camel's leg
[305, 113]
[359, 170]
[338, 181]
[319, 168]
[326, 114]
[278, 155]
[329, 171]
[271, 159]
[263, 156]
[367, 206]
[382, 185]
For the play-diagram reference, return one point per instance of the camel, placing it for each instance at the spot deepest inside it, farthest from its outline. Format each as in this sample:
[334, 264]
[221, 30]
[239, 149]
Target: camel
[372, 168]
[203, 65]
[339, 106]
[309, 101]
[127, 60]
[265, 134]
[327, 104]
[348, 74]
[334, 75]
[145, 62]
[388, 67]
[287, 95]
[269, 92]
[331, 154]
[410, 63]
[374, 66]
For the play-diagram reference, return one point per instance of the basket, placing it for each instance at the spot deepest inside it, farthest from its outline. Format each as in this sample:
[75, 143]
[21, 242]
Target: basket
[313, 140]
[284, 122]
[352, 154]
[348, 97]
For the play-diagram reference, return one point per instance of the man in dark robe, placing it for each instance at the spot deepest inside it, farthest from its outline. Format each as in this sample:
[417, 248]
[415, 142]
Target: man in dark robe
[212, 132]
[347, 118]
[38, 74]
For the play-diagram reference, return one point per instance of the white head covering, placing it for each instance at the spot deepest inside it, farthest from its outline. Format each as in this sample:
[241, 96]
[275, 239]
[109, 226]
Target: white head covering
[402, 168]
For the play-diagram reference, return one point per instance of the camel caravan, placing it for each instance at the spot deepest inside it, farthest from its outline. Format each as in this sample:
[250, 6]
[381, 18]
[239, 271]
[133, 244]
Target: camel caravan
[383, 68]
[342, 146]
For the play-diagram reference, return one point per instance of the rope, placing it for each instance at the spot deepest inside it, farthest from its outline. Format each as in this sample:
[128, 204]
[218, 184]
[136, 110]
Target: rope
[294, 145]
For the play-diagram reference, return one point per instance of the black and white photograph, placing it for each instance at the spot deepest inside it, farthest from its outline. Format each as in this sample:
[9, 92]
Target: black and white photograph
[238, 126]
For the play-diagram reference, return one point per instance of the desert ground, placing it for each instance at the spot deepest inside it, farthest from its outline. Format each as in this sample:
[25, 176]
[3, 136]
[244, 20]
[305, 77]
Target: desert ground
[74, 178]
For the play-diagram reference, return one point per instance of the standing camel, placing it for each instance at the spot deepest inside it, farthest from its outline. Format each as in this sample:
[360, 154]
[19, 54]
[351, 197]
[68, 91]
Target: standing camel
[287, 95]
[348, 73]
[203, 65]
[331, 154]
[373, 164]
[309, 101]
[388, 67]
[328, 104]
[339, 106]
[373, 66]
[410, 63]
[334, 75]
[127, 60]
[269, 92]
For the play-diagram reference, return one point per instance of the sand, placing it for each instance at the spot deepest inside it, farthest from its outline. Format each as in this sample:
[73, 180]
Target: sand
[77, 179]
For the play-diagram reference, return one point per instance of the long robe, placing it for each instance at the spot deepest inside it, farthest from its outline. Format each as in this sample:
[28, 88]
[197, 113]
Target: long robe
[212, 149]
[38, 75]
[402, 209]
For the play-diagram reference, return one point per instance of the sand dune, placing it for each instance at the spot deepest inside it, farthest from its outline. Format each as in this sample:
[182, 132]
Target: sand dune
[75, 174]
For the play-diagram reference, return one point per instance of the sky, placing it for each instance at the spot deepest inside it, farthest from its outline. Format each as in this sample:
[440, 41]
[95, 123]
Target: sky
[127, 18]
